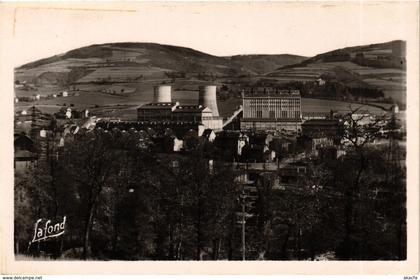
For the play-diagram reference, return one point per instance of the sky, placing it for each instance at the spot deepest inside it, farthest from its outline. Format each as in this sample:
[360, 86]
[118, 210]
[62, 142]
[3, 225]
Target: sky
[229, 28]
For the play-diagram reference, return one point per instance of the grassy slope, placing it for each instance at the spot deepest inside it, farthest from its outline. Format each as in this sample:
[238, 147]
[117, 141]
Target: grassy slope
[148, 55]
[85, 61]
[262, 64]
[145, 56]
[378, 65]
[397, 48]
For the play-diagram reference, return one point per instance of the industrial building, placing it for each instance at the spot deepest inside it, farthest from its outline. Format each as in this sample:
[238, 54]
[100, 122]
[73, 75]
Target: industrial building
[272, 111]
[322, 128]
[164, 111]
[320, 136]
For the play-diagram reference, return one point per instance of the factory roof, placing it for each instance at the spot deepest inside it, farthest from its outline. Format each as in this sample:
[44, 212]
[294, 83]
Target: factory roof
[321, 122]
[271, 94]
[153, 128]
[174, 106]
[269, 120]
[191, 109]
[317, 114]
[136, 124]
[159, 105]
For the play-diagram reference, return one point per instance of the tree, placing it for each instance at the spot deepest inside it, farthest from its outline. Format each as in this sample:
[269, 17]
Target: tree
[30, 199]
[91, 162]
[195, 201]
[292, 222]
[359, 135]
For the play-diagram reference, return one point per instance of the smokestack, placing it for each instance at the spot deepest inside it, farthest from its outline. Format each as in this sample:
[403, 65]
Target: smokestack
[162, 93]
[207, 98]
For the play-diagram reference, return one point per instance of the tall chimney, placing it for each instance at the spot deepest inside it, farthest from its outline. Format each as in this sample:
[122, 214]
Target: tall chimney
[162, 93]
[207, 98]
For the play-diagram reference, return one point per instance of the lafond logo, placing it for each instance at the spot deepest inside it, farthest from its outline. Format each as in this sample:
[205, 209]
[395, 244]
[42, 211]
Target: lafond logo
[45, 230]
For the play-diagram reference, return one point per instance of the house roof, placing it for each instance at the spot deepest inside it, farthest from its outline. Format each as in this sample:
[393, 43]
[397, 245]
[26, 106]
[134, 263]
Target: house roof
[228, 134]
[23, 142]
[33, 109]
[207, 132]
[22, 154]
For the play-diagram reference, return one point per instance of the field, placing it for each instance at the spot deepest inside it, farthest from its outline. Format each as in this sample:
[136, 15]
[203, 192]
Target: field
[48, 109]
[135, 64]
[62, 66]
[124, 105]
[42, 91]
[105, 104]
[311, 72]
[391, 81]
[124, 74]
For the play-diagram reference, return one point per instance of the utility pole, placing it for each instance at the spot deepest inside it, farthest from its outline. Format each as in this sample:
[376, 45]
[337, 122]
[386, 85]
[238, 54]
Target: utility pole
[393, 165]
[243, 213]
[243, 222]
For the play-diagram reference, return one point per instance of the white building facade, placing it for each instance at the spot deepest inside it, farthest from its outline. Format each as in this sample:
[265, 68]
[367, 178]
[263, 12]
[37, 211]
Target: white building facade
[278, 112]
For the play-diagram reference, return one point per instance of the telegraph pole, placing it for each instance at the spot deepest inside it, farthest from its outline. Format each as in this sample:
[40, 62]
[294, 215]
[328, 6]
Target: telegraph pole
[243, 223]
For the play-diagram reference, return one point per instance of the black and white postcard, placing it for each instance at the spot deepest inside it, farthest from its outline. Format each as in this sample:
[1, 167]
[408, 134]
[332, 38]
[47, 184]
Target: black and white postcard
[209, 137]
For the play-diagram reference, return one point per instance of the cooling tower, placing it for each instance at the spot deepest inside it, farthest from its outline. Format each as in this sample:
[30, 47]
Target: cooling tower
[162, 93]
[207, 98]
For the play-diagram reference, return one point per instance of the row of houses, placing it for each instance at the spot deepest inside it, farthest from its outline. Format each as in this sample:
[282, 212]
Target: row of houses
[37, 97]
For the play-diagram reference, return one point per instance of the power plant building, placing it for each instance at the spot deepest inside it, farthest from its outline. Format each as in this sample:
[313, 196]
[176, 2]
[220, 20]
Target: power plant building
[272, 111]
[164, 110]
[162, 93]
[207, 98]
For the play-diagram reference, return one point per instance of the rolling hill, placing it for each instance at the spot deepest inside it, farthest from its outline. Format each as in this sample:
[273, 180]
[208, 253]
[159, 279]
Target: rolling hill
[260, 63]
[381, 66]
[128, 62]
[96, 67]
[124, 62]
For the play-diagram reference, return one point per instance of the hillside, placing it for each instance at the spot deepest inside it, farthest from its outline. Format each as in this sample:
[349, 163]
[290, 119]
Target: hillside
[122, 62]
[380, 66]
[384, 55]
[127, 62]
[94, 72]
[266, 63]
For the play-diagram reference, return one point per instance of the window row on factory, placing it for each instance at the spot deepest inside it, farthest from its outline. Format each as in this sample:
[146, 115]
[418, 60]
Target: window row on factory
[289, 114]
[275, 126]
